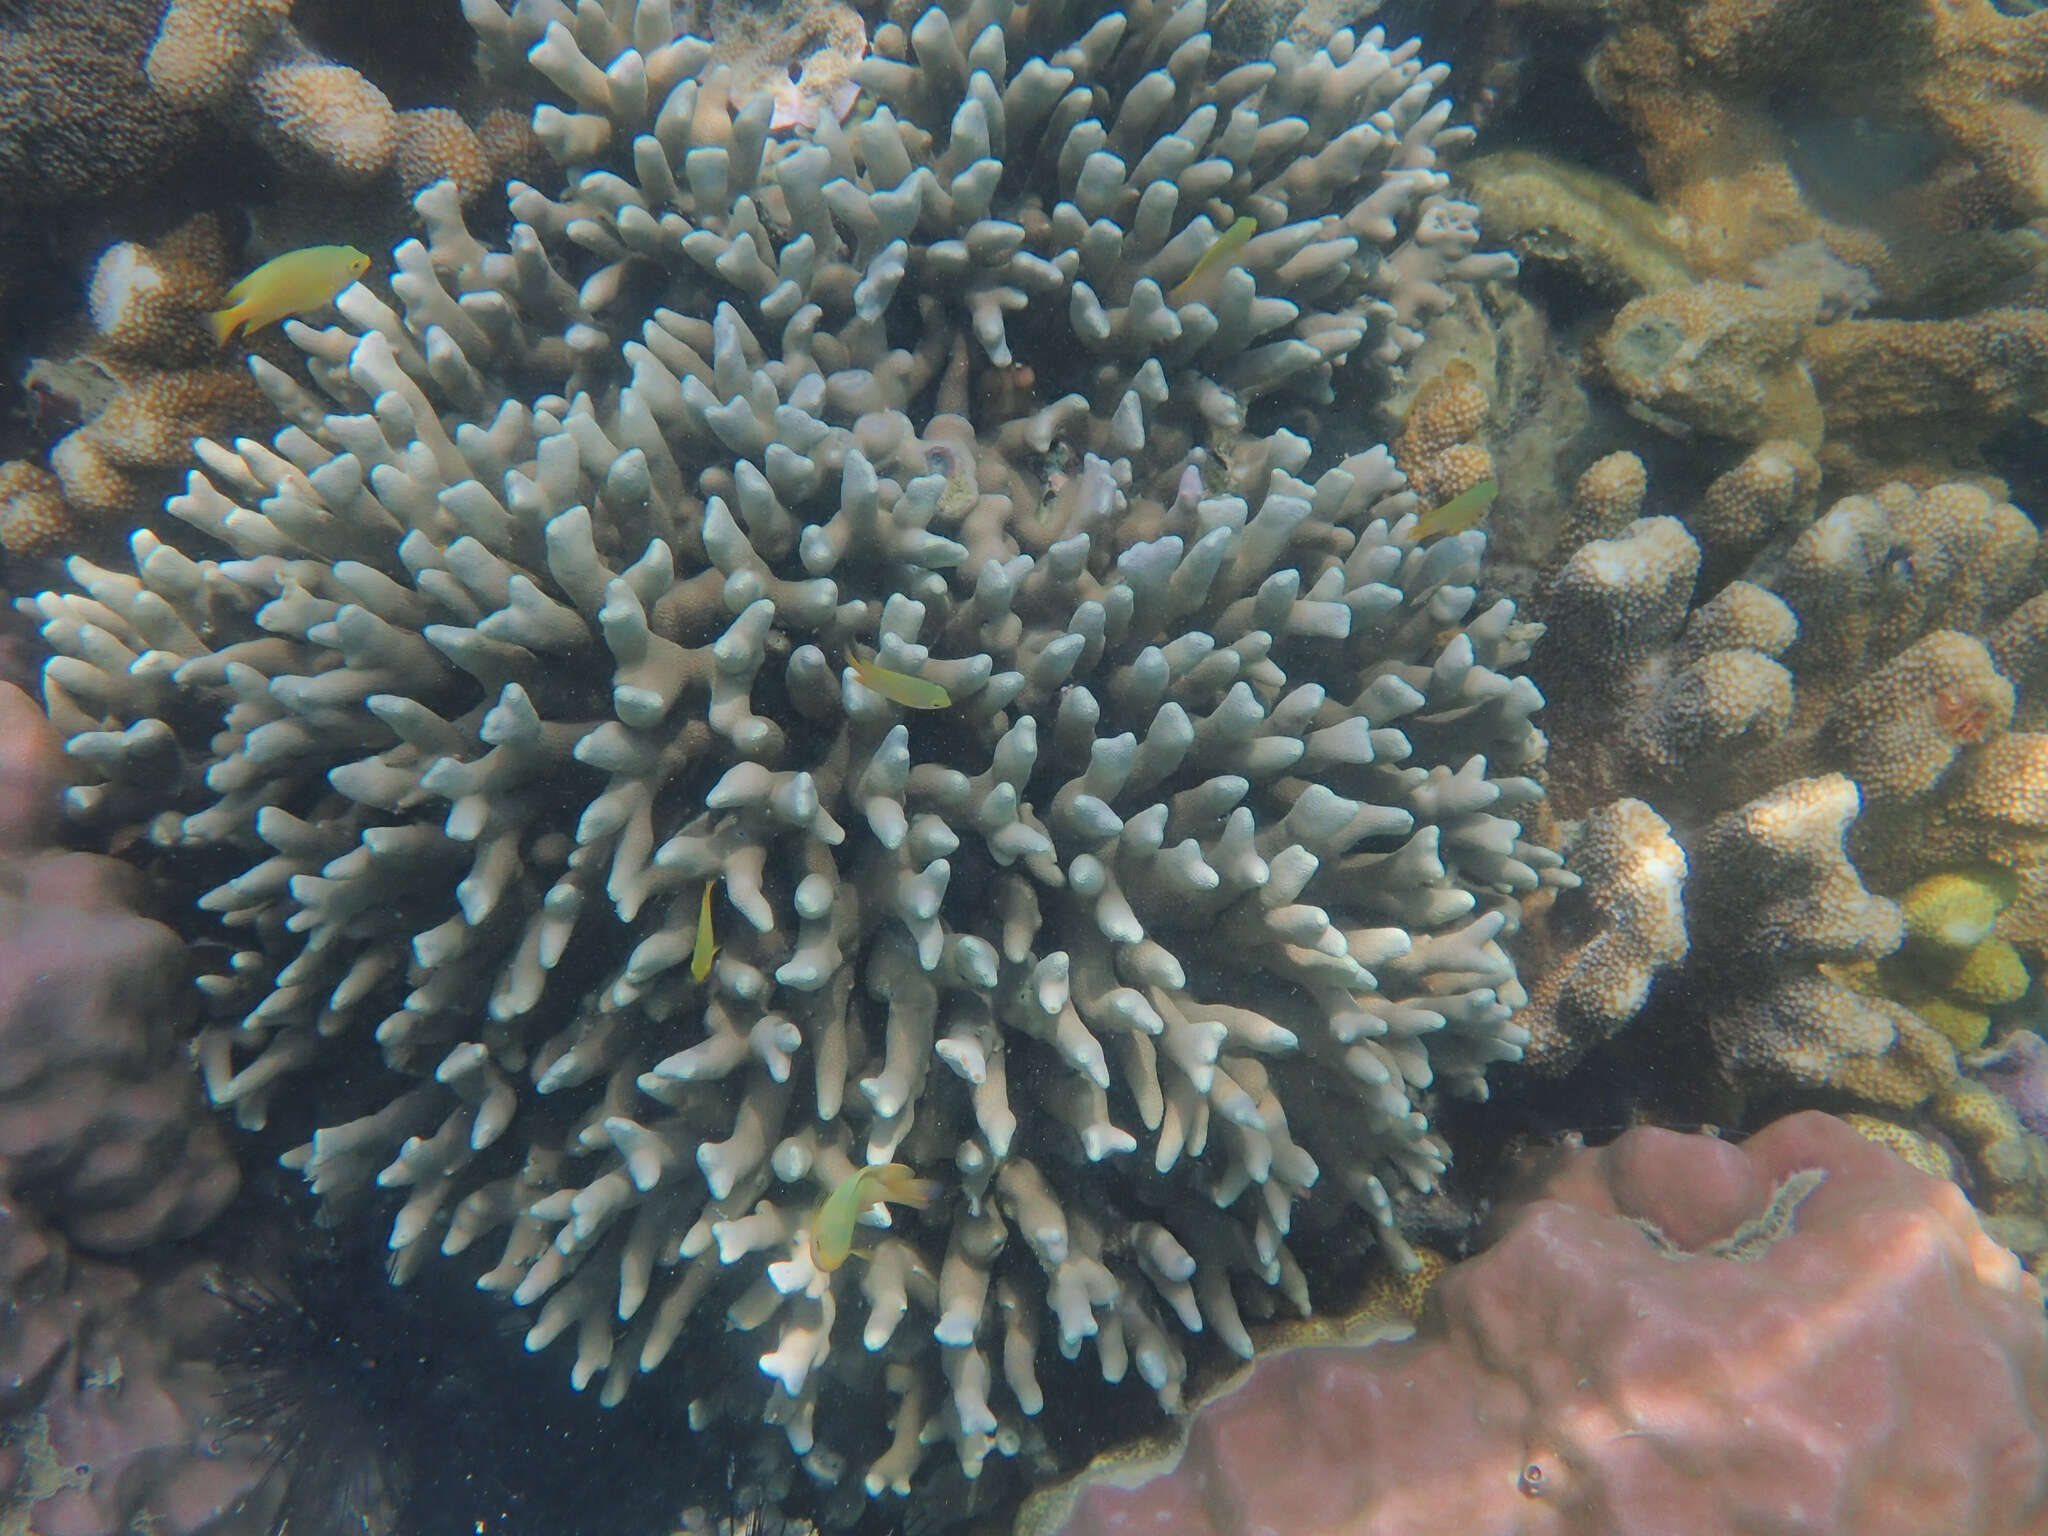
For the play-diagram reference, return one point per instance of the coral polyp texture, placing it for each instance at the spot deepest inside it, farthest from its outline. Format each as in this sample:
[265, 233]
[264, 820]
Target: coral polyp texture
[1671, 1333]
[149, 379]
[1849, 720]
[245, 62]
[814, 658]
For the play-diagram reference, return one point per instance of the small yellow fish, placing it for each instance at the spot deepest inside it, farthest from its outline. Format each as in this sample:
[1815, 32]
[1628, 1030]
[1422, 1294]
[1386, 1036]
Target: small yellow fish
[832, 1226]
[706, 949]
[289, 284]
[1462, 511]
[898, 687]
[1198, 285]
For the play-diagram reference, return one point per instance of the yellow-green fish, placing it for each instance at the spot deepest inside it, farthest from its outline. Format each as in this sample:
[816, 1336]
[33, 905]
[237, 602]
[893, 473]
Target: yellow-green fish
[898, 687]
[706, 949]
[289, 284]
[832, 1226]
[1462, 511]
[1214, 263]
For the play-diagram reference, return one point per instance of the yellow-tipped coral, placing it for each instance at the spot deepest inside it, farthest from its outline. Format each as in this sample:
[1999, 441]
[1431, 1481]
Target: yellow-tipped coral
[1991, 975]
[1953, 969]
[1957, 909]
[1967, 1028]
[1928, 1156]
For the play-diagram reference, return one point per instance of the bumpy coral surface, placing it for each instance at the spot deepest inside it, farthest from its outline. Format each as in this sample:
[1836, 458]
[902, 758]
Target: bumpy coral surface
[77, 120]
[110, 1411]
[1672, 1334]
[150, 379]
[99, 1123]
[325, 122]
[1147, 877]
[112, 1403]
[1852, 705]
[1778, 912]
[204, 48]
[1603, 944]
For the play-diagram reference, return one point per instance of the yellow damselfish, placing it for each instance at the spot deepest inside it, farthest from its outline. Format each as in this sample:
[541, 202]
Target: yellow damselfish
[285, 285]
[705, 950]
[1197, 285]
[898, 687]
[1462, 511]
[832, 1226]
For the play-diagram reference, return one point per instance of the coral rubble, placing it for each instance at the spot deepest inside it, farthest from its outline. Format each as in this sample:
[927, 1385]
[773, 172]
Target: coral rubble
[1148, 877]
[1670, 1333]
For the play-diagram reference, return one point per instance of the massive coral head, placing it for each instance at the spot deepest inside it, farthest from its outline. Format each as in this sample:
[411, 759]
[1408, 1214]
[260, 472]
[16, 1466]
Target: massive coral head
[1671, 1333]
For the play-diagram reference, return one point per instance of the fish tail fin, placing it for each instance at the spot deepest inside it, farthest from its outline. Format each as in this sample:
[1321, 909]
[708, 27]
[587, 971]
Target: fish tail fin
[902, 1187]
[225, 322]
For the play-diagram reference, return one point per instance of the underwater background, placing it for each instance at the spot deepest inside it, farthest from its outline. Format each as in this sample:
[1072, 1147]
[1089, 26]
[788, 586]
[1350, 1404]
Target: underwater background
[1233, 765]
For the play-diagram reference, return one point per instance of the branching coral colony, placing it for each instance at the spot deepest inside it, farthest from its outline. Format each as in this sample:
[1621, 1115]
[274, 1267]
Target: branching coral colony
[546, 617]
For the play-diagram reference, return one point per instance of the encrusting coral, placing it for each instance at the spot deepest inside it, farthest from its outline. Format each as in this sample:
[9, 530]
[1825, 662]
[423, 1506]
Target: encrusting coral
[1720, 357]
[1700, 86]
[1751, 363]
[1670, 1333]
[111, 1400]
[1149, 875]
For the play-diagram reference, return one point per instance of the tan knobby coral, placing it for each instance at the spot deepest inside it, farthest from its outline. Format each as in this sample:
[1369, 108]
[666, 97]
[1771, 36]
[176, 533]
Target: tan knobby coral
[1851, 731]
[151, 379]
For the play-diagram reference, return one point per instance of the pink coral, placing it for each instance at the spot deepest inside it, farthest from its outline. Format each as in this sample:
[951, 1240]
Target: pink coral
[114, 1401]
[1800, 1334]
[100, 1118]
[2017, 1071]
[107, 1380]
